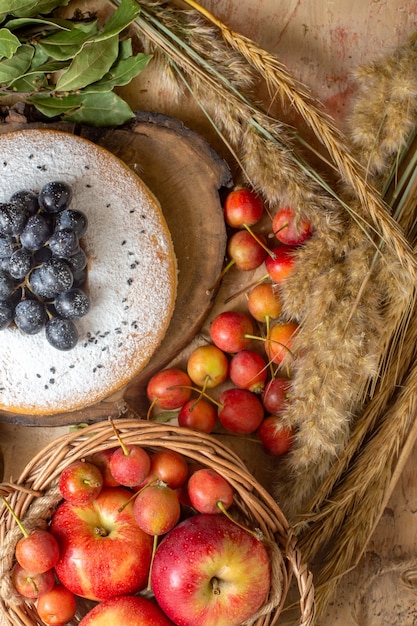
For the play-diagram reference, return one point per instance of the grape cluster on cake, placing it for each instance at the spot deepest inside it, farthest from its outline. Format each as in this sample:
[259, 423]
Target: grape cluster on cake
[43, 265]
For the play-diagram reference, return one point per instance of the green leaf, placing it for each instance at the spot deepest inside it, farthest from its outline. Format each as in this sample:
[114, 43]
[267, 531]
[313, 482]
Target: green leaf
[29, 83]
[124, 15]
[39, 57]
[67, 44]
[105, 109]
[28, 8]
[53, 107]
[89, 65]
[17, 65]
[125, 48]
[20, 22]
[32, 76]
[121, 73]
[9, 43]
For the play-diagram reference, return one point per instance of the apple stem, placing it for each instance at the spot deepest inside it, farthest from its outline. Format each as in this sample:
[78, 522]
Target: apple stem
[267, 339]
[246, 288]
[257, 533]
[220, 276]
[261, 243]
[15, 517]
[281, 228]
[149, 412]
[154, 547]
[119, 439]
[215, 586]
[201, 392]
[151, 482]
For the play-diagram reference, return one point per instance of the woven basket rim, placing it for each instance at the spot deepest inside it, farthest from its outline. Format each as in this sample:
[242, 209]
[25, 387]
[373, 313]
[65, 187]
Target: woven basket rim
[38, 484]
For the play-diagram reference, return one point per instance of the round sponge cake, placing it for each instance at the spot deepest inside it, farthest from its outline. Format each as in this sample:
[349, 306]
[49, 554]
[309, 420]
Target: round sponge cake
[132, 277]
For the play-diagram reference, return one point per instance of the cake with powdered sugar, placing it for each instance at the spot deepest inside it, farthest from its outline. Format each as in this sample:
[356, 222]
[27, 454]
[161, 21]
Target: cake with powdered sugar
[131, 277]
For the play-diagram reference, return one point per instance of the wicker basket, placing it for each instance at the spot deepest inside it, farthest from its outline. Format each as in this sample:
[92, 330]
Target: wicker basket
[35, 495]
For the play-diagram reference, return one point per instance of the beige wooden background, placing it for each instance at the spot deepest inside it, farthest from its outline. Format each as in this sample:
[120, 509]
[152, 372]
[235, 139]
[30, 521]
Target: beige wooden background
[321, 42]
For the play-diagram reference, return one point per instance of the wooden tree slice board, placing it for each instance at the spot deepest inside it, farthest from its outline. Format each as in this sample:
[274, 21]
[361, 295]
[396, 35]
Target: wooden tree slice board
[186, 176]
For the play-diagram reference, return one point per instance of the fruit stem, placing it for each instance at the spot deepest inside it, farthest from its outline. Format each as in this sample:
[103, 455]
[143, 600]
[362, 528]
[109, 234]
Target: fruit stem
[119, 439]
[269, 340]
[257, 533]
[215, 587]
[132, 497]
[261, 243]
[244, 289]
[152, 404]
[154, 547]
[201, 393]
[15, 517]
[220, 276]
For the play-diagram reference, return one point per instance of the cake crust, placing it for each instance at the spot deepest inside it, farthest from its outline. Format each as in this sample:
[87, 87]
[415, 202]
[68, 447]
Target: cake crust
[132, 277]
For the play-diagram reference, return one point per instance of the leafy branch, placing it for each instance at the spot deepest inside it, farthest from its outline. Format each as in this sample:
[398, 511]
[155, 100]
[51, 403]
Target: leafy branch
[68, 67]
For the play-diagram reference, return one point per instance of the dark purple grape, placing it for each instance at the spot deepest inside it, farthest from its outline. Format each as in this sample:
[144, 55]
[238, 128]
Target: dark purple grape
[41, 255]
[74, 219]
[12, 219]
[6, 313]
[61, 333]
[77, 261]
[7, 285]
[55, 196]
[20, 263]
[8, 245]
[64, 243]
[27, 200]
[56, 275]
[80, 278]
[30, 316]
[36, 232]
[38, 287]
[72, 304]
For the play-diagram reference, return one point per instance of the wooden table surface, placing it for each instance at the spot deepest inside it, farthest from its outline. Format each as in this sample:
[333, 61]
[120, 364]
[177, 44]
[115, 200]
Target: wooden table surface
[321, 42]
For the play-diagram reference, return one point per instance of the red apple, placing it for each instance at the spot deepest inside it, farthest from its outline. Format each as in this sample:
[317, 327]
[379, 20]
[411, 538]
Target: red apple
[231, 331]
[156, 509]
[57, 606]
[274, 395]
[281, 264]
[288, 229]
[38, 551]
[80, 482]
[276, 437]
[32, 585]
[208, 366]
[242, 207]
[103, 552]
[168, 388]
[199, 415]
[169, 466]
[280, 341]
[248, 370]
[247, 250]
[264, 302]
[241, 411]
[210, 571]
[207, 488]
[126, 610]
[130, 465]
[101, 458]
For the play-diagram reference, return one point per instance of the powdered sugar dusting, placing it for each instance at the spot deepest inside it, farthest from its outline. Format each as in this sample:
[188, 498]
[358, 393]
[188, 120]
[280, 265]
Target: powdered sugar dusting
[131, 276]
